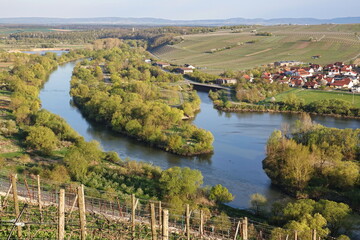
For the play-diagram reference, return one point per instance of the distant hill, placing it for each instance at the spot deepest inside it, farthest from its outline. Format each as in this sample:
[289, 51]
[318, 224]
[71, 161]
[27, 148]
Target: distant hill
[162, 22]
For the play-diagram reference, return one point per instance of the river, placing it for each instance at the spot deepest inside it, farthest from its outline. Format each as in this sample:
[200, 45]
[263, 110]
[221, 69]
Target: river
[239, 145]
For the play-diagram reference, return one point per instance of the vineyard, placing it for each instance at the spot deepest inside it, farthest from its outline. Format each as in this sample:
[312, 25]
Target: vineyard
[33, 211]
[333, 43]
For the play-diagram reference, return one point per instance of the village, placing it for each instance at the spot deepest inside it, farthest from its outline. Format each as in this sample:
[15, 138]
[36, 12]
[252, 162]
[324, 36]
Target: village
[336, 76]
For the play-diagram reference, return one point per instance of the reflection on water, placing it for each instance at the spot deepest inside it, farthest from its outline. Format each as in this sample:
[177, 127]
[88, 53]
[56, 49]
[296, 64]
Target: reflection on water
[239, 145]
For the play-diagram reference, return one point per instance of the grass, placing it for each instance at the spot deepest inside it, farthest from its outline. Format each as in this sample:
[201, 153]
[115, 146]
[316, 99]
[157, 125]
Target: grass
[316, 95]
[338, 43]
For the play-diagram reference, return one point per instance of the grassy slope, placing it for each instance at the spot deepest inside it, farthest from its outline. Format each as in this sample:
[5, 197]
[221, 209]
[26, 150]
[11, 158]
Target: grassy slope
[315, 95]
[338, 43]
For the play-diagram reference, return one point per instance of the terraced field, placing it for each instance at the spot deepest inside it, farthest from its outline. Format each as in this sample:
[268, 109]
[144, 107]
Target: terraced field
[332, 42]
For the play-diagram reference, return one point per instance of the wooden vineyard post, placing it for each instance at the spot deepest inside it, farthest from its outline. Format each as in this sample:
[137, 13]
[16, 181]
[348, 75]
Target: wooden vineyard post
[160, 216]
[153, 221]
[201, 224]
[16, 203]
[82, 212]
[237, 230]
[165, 225]
[187, 221]
[61, 225]
[295, 235]
[134, 203]
[314, 234]
[244, 227]
[39, 197]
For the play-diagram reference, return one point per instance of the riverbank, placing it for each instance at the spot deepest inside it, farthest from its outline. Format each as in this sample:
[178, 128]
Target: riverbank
[237, 110]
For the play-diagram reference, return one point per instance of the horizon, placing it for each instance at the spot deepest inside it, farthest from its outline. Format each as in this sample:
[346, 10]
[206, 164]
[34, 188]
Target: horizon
[184, 10]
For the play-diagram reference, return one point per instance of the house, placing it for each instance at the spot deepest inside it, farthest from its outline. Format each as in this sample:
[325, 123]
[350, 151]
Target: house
[301, 72]
[190, 66]
[296, 83]
[349, 73]
[344, 83]
[329, 80]
[316, 67]
[333, 72]
[162, 64]
[312, 84]
[309, 69]
[226, 81]
[248, 78]
[184, 70]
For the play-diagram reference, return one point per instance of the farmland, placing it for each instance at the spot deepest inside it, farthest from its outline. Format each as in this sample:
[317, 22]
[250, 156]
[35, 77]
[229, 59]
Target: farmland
[226, 50]
[316, 95]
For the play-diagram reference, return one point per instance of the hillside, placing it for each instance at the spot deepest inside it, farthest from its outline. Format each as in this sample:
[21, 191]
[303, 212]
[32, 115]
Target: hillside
[235, 50]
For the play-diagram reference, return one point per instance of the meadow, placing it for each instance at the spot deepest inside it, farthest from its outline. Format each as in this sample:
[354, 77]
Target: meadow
[246, 50]
[315, 95]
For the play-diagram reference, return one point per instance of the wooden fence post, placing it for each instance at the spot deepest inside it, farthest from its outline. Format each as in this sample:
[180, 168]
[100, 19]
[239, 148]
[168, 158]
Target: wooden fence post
[245, 229]
[314, 234]
[16, 202]
[237, 230]
[160, 217]
[165, 225]
[82, 212]
[61, 225]
[39, 197]
[201, 224]
[153, 221]
[134, 203]
[187, 213]
[295, 235]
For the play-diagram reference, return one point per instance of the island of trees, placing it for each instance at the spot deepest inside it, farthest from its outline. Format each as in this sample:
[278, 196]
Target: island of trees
[132, 100]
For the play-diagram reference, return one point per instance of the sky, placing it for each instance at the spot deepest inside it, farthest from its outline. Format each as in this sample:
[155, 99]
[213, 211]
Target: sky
[181, 9]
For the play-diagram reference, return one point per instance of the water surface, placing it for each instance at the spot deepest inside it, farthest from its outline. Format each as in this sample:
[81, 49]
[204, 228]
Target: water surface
[239, 145]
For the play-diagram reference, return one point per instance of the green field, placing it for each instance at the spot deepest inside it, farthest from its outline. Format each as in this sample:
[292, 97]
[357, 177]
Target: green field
[332, 42]
[316, 95]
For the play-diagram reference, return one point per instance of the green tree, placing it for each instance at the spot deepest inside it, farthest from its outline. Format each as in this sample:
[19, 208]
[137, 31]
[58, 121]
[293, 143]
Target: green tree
[220, 194]
[41, 139]
[258, 203]
[182, 182]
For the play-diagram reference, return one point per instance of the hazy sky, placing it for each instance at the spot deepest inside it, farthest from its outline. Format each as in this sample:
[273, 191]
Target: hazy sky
[180, 9]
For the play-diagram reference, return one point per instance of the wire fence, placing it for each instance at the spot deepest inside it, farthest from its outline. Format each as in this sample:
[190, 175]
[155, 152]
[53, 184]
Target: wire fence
[118, 218]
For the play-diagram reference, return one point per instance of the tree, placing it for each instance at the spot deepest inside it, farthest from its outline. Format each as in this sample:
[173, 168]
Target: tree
[220, 194]
[77, 164]
[258, 203]
[307, 223]
[335, 213]
[41, 139]
[182, 182]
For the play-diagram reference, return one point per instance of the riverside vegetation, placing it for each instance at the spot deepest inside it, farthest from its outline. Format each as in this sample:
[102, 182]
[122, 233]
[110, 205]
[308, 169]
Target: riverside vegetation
[48, 146]
[131, 100]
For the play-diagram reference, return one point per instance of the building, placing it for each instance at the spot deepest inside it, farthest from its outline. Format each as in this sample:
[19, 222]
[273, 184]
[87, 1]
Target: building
[226, 81]
[184, 70]
[287, 63]
[162, 64]
[190, 66]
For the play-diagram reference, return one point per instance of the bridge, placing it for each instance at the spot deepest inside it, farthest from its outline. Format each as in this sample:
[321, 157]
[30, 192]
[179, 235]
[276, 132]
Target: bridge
[207, 86]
